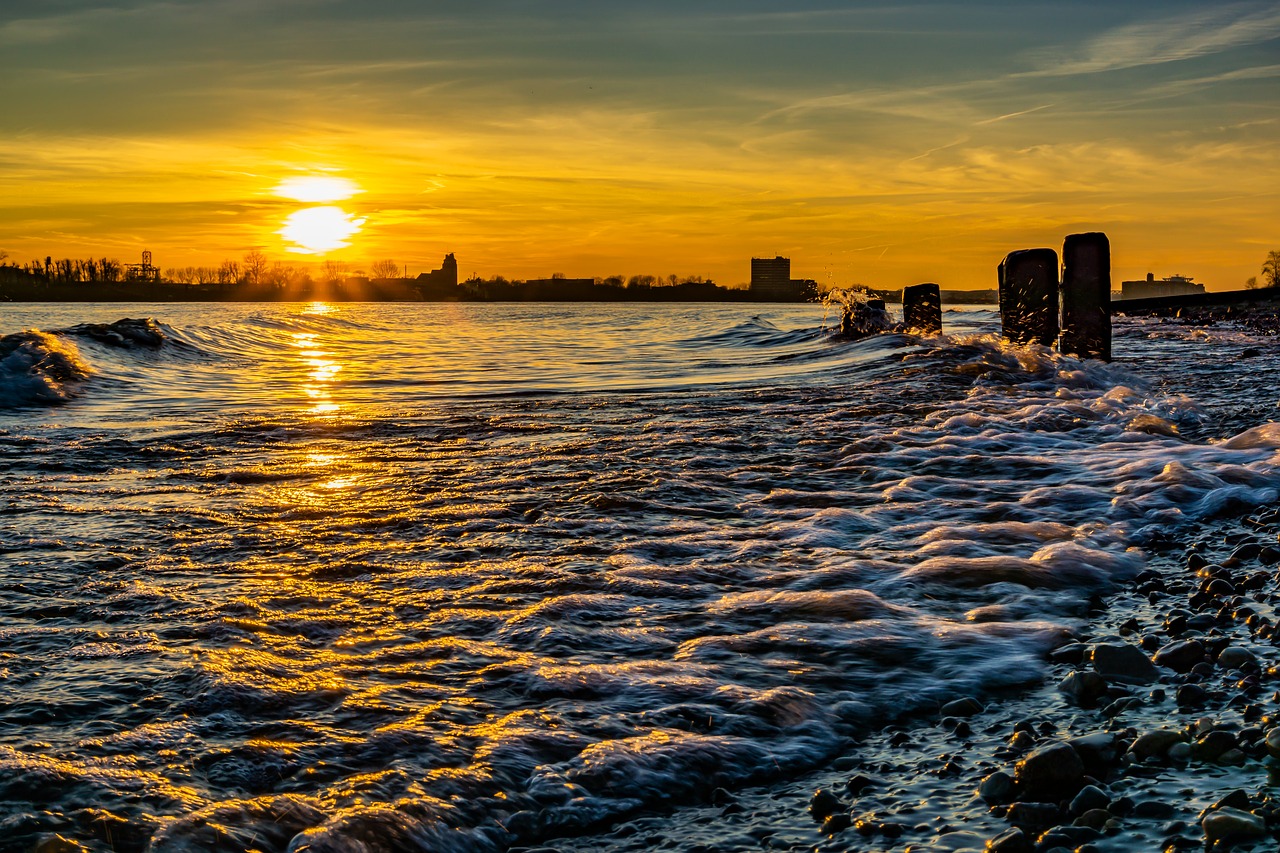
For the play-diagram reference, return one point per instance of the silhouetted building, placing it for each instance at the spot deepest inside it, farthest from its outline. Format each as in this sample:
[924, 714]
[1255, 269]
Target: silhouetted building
[1174, 285]
[441, 282]
[771, 278]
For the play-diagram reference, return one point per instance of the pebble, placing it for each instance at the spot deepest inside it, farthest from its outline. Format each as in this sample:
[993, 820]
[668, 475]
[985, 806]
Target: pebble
[1234, 657]
[1228, 823]
[1011, 841]
[1033, 814]
[1272, 743]
[1180, 655]
[1155, 744]
[824, 803]
[1084, 687]
[1090, 798]
[1123, 662]
[1213, 745]
[1055, 767]
[996, 788]
[966, 707]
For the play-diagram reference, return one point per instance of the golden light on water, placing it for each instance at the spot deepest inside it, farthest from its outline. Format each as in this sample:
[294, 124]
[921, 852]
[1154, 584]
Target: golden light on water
[320, 373]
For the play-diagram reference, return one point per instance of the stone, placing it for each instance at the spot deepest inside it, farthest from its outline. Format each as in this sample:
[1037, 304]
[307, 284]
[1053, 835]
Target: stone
[1028, 282]
[1011, 841]
[1272, 743]
[835, 823]
[1033, 814]
[1213, 744]
[1053, 768]
[1232, 824]
[1155, 744]
[1235, 657]
[1086, 296]
[922, 308]
[1095, 818]
[1180, 655]
[1154, 809]
[996, 788]
[1179, 752]
[966, 707]
[1098, 751]
[1084, 688]
[1123, 662]
[823, 803]
[1090, 798]
[1190, 695]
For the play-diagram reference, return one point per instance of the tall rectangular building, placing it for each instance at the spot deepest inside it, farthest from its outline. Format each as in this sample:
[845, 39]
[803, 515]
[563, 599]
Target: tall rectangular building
[771, 278]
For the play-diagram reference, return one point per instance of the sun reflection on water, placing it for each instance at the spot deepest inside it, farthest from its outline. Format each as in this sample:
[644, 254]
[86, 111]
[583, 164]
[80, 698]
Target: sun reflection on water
[320, 371]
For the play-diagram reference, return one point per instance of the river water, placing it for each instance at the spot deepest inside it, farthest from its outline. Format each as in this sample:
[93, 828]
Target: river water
[466, 577]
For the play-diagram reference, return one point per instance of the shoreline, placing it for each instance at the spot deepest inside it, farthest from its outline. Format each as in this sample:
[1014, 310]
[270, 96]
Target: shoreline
[1135, 757]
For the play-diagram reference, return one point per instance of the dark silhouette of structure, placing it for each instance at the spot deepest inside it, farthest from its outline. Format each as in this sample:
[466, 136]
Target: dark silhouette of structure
[144, 271]
[1086, 296]
[440, 283]
[1150, 288]
[1029, 296]
[922, 308]
[771, 281]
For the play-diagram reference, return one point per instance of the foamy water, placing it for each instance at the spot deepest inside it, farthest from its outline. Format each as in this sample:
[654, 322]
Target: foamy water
[462, 577]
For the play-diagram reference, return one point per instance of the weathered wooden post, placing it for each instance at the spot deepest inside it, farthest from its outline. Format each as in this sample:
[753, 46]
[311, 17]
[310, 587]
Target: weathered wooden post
[922, 308]
[1086, 296]
[1029, 296]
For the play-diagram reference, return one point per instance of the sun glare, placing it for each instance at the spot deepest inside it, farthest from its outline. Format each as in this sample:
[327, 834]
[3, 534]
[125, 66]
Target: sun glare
[313, 230]
[316, 189]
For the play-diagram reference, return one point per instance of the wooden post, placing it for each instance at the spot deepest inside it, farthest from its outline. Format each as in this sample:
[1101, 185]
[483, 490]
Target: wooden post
[1086, 296]
[922, 308]
[1029, 296]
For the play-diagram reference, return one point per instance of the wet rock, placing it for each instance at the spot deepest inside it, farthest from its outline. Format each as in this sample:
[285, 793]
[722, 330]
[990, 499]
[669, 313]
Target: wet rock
[1155, 744]
[1095, 818]
[1011, 841]
[1235, 657]
[1069, 837]
[824, 803]
[1190, 696]
[1272, 743]
[1083, 688]
[1035, 815]
[58, 844]
[1237, 799]
[1180, 655]
[838, 822]
[1022, 741]
[1123, 662]
[1090, 798]
[1098, 751]
[966, 707]
[1179, 752]
[1154, 809]
[1232, 824]
[1072, 653]
[996, 788]
[859, 783]
[1212, 745]
[1054, 768]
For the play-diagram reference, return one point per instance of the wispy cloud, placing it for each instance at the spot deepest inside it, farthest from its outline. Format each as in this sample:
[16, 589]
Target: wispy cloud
[1155, 42]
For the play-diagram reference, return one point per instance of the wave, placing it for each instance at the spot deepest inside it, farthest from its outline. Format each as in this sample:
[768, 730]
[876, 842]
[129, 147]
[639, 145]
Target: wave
[38, 368]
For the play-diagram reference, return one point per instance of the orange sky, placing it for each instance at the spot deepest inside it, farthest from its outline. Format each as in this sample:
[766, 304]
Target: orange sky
[876, 144]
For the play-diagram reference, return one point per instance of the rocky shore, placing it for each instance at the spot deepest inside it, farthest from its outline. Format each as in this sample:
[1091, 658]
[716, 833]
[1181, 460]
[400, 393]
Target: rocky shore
[1157, 730]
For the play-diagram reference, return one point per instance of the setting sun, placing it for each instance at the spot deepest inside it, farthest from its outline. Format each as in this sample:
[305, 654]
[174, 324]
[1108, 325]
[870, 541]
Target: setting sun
[319, 229]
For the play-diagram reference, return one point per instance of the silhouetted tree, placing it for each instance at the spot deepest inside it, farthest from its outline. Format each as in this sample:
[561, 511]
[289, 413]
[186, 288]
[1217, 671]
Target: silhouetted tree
[1251, 283]
[1271, 269]
[228, 272]
[255, 267]
[335, 270]
[384, 269]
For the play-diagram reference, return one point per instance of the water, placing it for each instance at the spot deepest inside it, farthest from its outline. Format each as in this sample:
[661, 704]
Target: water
[466, 577]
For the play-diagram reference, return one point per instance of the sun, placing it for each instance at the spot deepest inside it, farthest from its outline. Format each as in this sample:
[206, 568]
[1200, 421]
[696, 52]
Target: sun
[315, 230]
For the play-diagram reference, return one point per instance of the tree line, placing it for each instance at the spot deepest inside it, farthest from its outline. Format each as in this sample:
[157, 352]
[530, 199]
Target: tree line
[1270, 272]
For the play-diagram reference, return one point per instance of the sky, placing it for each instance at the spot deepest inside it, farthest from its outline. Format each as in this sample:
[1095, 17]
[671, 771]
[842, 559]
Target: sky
[872, 143]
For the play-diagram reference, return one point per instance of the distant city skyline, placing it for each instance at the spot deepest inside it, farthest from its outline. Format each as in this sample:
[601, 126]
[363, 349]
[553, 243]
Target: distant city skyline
[880, 144]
